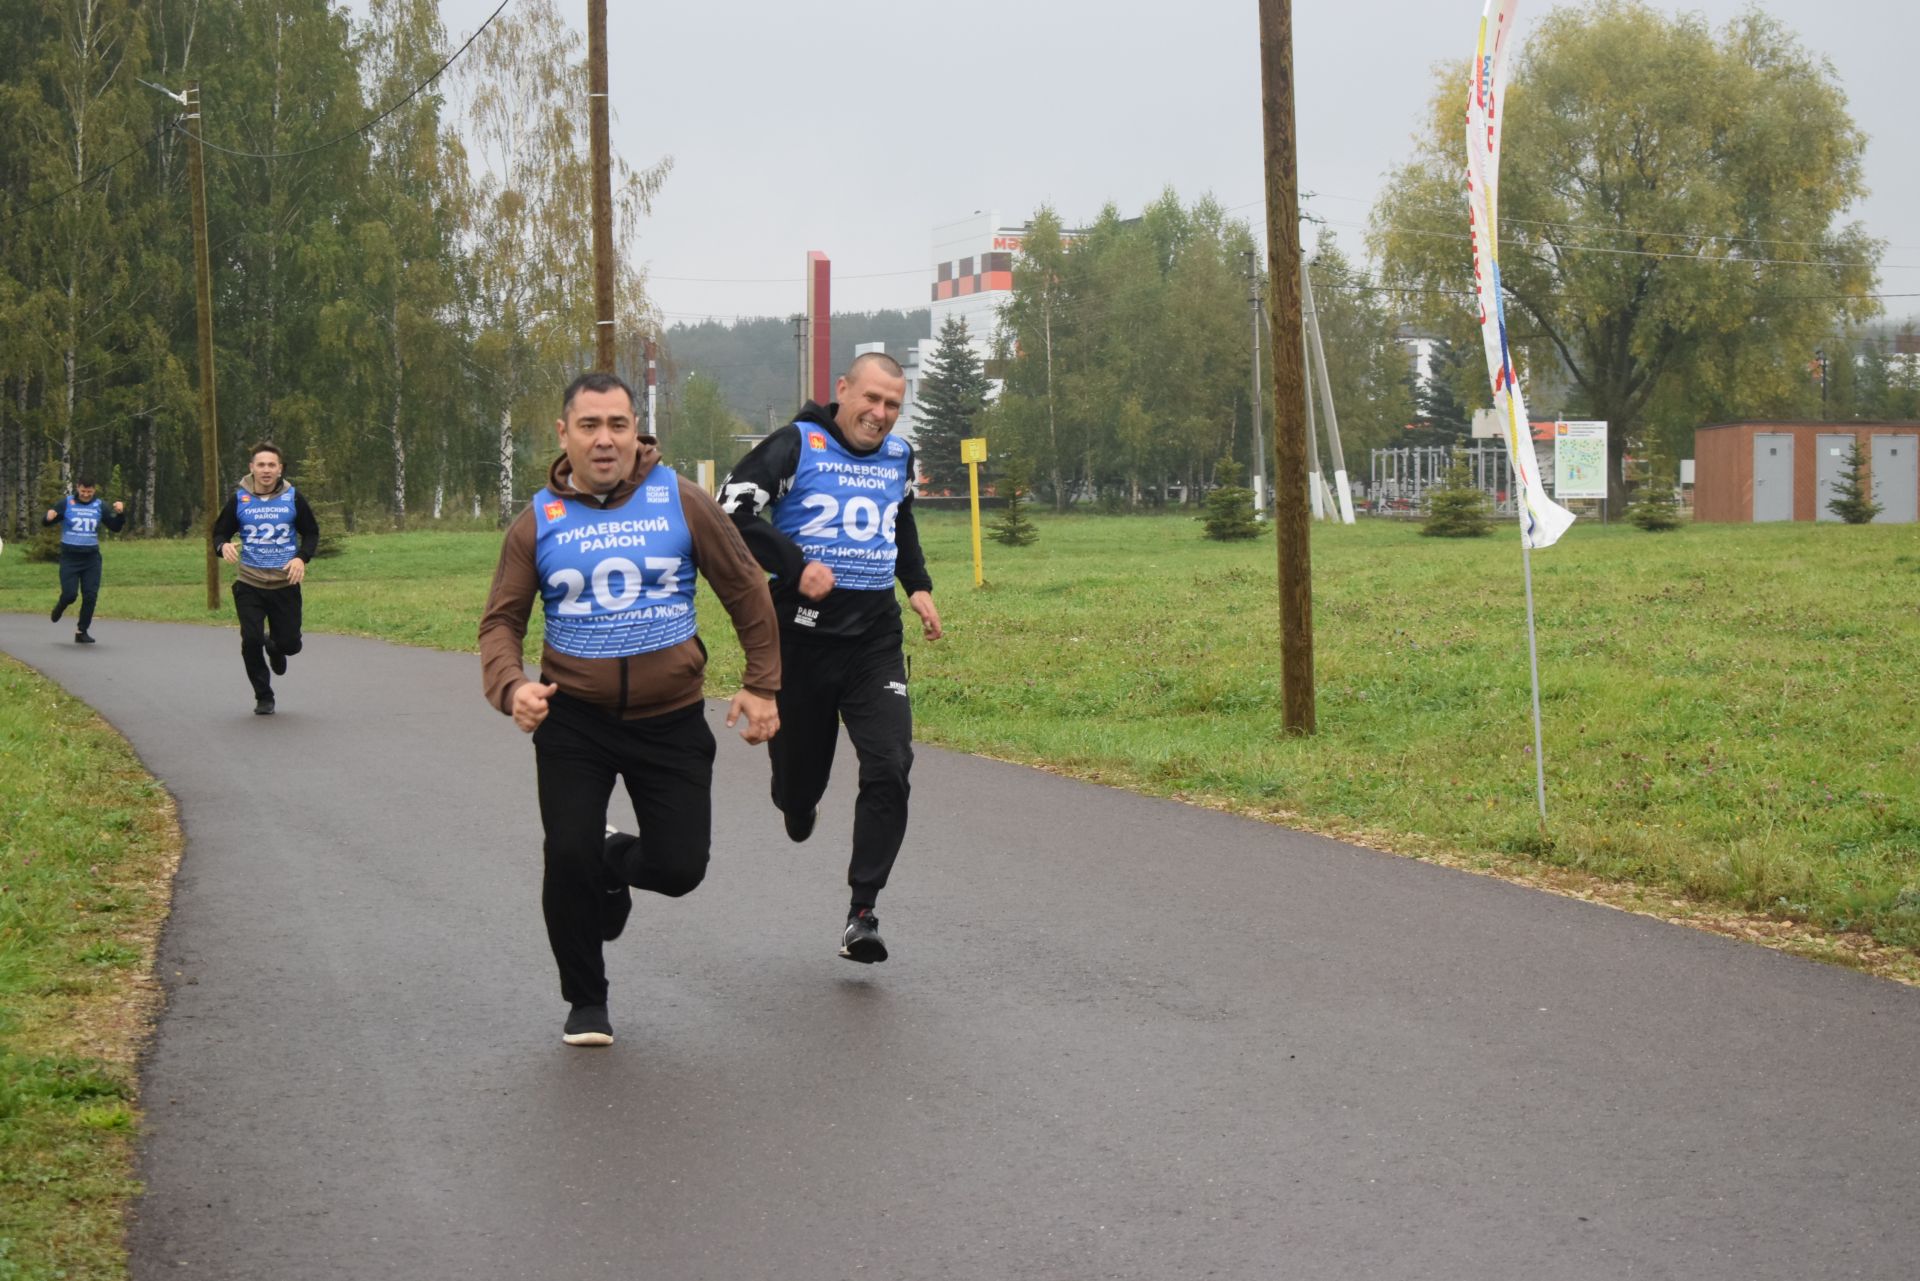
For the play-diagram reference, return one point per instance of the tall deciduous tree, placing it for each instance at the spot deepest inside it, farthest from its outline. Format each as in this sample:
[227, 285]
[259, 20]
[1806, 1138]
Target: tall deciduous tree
[1670, 205]
[1129, 355]
[703, 428]
[394, 326]
[530, 238]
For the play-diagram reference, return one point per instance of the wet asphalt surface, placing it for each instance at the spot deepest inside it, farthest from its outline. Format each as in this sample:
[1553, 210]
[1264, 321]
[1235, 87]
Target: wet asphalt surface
[1118, 1038]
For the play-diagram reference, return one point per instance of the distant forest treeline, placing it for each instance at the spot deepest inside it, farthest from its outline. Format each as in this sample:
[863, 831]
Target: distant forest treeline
[754, 361]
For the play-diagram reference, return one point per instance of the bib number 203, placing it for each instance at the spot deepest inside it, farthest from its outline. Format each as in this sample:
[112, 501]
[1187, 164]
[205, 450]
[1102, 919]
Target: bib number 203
[664, 572]
[860, 519]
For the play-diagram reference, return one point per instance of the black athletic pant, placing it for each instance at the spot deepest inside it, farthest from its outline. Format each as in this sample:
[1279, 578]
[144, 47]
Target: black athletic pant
[265, 610]
[863, 684]
[80, 576]
[667, 764]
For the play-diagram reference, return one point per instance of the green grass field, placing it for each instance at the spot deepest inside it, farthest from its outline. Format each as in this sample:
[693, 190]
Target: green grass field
[87, 844]
[1730, 710]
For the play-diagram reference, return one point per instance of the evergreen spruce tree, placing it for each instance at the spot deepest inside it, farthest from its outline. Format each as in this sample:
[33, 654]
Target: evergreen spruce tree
[1444, 418]
[1013, 529]
[952, 395]
[1457, 509]
[1230, 505]
[1852, 500]
[1655, 510]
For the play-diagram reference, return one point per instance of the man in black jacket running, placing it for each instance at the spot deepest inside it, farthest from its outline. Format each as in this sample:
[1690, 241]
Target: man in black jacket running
[278, 536]
[837, 490]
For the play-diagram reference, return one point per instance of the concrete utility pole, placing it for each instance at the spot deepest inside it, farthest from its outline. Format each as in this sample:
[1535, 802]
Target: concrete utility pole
[653, 378]
[1260, 490]
[1343, 490]
[203, 315]
[1292, 524]
[602, 185]
[800, 357]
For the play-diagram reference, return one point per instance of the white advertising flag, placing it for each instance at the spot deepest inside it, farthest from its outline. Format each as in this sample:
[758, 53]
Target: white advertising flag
[1542, 520]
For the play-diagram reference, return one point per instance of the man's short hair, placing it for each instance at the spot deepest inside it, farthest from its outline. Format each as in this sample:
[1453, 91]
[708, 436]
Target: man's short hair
[84, 481]
[265, 447]
[880, 358]
[599, 380]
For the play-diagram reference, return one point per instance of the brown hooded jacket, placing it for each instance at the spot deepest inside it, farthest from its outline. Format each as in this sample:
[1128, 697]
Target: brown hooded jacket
[640, 685]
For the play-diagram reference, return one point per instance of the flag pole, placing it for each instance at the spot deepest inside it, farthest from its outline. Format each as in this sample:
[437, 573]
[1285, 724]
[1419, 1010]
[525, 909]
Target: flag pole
[1533, 660]
[1542, 520]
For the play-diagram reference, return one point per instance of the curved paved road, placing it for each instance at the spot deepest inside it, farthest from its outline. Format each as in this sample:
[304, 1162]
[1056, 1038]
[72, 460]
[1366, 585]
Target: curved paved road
[1120, 1037]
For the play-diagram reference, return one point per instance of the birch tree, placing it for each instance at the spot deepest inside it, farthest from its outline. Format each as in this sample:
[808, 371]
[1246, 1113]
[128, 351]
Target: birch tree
[530, 237]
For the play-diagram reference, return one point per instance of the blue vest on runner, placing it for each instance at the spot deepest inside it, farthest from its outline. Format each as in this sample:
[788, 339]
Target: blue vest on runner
[266, 528]
[842, 507]
[619, 582]
[80, 523]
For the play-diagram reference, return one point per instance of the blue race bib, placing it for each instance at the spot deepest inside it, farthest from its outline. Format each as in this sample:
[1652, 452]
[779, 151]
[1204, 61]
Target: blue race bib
[80, 524]
[266, 528]
[616, 583]
[842, 507]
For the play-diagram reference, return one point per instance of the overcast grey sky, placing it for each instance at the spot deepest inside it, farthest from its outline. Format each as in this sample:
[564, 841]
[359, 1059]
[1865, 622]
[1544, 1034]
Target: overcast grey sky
[855, 127]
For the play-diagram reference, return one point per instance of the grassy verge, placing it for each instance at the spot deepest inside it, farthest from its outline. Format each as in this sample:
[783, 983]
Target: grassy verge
[1730, 709]
[88, 844]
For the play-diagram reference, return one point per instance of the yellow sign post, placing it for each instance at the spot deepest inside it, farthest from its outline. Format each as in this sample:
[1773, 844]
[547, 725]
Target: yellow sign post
[973, 452]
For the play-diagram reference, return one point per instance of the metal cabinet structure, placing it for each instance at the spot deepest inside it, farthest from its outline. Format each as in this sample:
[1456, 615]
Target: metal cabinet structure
[1784, 471]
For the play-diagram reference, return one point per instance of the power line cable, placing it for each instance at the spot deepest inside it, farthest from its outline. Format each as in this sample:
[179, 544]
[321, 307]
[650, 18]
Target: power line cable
[415, 92]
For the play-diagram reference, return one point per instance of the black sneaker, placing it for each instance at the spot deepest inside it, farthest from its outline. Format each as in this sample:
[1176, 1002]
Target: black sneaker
[862, 941]
[263, 707]
[59, 608]
[800, 826]
[588, 1025]
[617, 903]
[81, 638]
[276, 660]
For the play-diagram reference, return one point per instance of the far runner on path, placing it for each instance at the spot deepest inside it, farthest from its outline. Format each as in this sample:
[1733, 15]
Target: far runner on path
[267, 512]
[610, 546]
[81, 515]
[837, 489]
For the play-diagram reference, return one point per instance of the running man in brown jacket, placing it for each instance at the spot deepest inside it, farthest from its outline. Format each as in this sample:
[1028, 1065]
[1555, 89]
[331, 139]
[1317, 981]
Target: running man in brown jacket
[610, 546]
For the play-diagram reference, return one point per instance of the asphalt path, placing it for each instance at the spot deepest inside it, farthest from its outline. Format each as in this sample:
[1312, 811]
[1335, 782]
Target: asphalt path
[1119, 1037]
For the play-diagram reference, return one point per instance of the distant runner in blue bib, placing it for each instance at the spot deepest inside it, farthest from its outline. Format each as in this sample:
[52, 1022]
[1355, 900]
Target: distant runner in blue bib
[81, 516]
[278, 536]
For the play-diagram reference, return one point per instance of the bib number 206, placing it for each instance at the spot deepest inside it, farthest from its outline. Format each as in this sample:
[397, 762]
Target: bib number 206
[861, 518]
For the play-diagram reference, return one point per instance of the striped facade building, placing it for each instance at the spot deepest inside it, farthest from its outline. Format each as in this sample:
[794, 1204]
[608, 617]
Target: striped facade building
[973, 262]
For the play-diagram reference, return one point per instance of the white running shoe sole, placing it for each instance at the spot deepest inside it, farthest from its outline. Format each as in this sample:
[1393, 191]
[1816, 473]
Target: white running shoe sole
[588, 1038]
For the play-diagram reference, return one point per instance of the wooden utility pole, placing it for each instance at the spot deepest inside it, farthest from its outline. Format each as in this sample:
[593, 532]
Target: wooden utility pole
[1291, 518]
[203, 313]
[602, 185]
